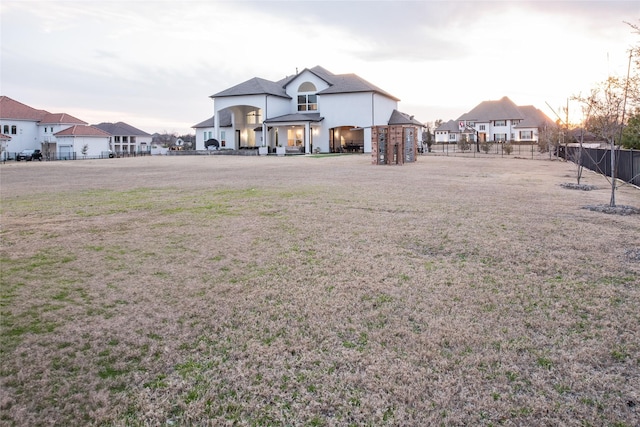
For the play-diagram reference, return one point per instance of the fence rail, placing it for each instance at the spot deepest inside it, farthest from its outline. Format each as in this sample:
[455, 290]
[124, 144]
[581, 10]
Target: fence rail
[77, 156]
[599, 160]
[492, 149]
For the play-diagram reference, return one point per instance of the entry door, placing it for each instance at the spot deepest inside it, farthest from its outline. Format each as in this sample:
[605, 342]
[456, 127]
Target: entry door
[237, 139]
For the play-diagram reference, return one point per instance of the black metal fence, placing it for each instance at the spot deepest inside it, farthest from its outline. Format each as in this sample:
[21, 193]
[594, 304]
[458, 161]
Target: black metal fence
[78, 156]
[489, 149]
[599, 160]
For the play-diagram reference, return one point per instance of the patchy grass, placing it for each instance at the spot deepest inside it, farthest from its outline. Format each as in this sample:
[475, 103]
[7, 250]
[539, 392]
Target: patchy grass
[317, 291]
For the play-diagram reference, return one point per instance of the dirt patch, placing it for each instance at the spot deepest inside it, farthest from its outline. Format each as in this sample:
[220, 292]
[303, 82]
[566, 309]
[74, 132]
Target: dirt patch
[574, 186]
[614, 210]
[221, 290]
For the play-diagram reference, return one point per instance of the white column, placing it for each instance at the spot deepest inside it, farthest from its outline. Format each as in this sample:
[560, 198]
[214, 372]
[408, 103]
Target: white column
[307, 137]
[265, 135]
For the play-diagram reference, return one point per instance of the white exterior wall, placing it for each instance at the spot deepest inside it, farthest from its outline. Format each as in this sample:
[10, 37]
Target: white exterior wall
[96, 145]
[353, 109]
[534, 133]
[144, 142]
[46, 135]
[442, 137]
[25, 138]
[202, 135]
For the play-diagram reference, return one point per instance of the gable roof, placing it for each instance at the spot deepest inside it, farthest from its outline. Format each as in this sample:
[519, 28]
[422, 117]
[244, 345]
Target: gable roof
[399, 118]
[224, 119]
[12, 109]
[450, 126]
[121, 129]
[254, 86]
[83, 130]
[502, 109]
[61, 118]
[533, 118]
[319, 71]
[338, 83]
[351, 83]
[209, 123]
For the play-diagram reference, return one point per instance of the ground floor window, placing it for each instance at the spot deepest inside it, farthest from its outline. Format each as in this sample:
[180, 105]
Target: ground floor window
[500, 137]
[294, 137]
[526, 134]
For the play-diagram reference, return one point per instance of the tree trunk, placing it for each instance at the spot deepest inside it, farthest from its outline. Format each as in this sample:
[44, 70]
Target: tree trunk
[612, 202]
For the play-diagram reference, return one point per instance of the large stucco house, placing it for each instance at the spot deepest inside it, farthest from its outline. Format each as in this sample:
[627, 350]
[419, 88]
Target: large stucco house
[498, 121]
[311, 111]
[60, 135]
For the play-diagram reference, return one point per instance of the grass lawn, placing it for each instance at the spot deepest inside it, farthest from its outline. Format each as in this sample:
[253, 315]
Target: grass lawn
[316, 291]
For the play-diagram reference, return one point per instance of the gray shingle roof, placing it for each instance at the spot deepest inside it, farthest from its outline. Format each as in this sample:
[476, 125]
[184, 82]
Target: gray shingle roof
[450, 126]
[254, 86]
[338, 83]
[399, 118]
[351, 83]
[209, 123]
[319, 71]
[533, 118]
[503, 109]
[225, 120]
[121, 129]
[296, 117]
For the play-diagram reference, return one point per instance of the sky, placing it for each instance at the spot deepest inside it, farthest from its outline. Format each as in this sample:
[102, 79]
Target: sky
[155, 64]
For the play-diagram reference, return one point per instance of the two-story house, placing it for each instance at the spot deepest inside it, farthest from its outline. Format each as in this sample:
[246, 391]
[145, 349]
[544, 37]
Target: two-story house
[311, 111]
[126, 139]
[498, 121]
[60, 135]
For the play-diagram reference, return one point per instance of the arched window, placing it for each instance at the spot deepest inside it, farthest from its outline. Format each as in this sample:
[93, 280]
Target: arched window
[308, 101]
[307, 87]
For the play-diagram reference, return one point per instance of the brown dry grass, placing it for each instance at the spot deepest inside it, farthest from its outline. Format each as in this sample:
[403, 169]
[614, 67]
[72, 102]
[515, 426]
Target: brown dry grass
[316, 291]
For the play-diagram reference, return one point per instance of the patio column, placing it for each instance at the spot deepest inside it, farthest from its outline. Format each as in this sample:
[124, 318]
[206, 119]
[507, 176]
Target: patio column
[265, 135]
[307, 137]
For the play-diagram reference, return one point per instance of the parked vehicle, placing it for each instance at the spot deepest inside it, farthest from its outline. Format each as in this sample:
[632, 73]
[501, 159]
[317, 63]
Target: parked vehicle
[29, 155]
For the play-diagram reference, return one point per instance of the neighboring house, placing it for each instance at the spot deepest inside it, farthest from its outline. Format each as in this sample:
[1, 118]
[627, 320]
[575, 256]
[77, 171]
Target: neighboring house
[82, 140]
[56, 133]
[498, 121]
[314, 110]
[126, 138]
[447, 132]
[49, 126]
[21, 123]
[205, 130]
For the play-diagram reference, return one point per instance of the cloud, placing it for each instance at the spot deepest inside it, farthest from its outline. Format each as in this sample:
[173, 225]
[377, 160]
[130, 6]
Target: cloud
[161, 60]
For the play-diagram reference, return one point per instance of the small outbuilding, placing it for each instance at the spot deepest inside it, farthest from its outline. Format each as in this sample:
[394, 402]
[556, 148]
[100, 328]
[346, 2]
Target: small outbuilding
[396, 143]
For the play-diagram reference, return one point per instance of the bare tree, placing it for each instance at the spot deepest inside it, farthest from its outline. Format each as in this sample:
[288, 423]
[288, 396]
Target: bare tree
[606, 104]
